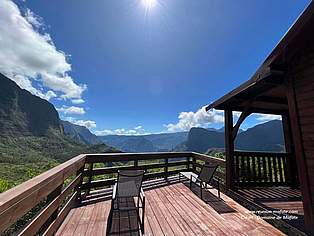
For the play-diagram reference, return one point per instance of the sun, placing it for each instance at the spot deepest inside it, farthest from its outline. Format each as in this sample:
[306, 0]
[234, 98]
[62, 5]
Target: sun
[149, 4]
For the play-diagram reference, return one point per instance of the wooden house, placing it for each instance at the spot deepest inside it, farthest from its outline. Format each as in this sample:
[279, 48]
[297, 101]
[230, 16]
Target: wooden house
[283, 85]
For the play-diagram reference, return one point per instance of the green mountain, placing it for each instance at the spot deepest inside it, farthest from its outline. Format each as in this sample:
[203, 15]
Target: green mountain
[129, 143]
[79, 133]
[200, 140]
[31, 136]
[262, 137]
[145, 143]
[22, 113]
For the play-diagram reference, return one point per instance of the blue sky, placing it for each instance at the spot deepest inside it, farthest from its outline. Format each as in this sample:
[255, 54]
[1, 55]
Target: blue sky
[124, 67]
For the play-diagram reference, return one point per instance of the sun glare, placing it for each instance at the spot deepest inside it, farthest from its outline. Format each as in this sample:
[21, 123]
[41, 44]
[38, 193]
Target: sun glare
[149, 4]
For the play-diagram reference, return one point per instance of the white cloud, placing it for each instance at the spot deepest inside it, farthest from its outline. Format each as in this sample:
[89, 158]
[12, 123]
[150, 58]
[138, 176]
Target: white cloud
[200, 118]
[87, 123]
[135, 131]
[77, 101]
[90, 124]
[33, 19]
[25, 83]
[28, 53]
[266, 117]
[71, 110]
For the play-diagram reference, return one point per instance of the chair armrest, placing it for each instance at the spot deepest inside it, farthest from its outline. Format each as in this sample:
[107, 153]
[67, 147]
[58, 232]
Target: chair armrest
[114, 191]
[142, 195]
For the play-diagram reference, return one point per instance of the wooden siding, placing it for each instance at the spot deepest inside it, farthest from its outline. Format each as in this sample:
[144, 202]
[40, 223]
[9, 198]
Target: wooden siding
[171, 210]
[302, 74]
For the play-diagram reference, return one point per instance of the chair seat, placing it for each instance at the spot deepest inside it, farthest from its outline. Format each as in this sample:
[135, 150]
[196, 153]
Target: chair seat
[190, 175]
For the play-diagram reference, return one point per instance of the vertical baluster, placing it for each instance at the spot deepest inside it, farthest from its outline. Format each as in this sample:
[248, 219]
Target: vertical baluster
[280, 169]
[264, 169]
[259, 169]
[285, 168]
[243, 179]
[275, 169]
[270, 172]
[237, 168]
[254, 169]
[248, 169]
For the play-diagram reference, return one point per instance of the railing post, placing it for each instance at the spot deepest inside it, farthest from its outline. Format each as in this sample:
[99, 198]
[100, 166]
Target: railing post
[188, 163]
[194, 164]
[229, 149]
[90, 177]
[55, 193]
[136, 163]
[166, 168]
[78, 187]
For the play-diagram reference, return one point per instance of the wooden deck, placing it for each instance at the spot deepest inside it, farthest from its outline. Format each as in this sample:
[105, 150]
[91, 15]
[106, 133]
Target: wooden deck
[278, 198]
[172, 209]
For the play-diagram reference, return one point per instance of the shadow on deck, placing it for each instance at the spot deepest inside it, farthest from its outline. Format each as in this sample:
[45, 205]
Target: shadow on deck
[284, 202]
[171, 209]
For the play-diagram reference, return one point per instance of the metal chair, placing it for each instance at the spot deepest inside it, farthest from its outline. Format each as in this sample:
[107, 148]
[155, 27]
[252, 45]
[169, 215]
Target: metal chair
[203, 179]
[128, 186]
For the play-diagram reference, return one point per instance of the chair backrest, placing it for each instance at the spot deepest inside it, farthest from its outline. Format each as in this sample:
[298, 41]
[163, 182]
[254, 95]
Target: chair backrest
[207, 172]
[129, 183]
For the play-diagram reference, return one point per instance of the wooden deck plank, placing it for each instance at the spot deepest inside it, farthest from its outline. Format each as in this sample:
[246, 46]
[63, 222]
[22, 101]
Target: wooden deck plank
[199, 226]
[73, 222]
[211, 219]
[164, 208]
[183, 224]
[84, 221]
[172, 210]
[184, 213]
[162, 220]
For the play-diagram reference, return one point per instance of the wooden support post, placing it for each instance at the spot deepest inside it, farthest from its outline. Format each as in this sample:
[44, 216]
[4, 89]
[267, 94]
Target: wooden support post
[291, 159]
[300, 158]
[229, 149]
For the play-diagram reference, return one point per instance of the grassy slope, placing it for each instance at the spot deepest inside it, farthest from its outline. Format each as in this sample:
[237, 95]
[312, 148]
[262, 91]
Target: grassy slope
[22, 158]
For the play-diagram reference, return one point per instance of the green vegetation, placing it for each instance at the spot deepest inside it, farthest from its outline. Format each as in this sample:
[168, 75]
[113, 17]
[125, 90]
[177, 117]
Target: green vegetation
[24, 157]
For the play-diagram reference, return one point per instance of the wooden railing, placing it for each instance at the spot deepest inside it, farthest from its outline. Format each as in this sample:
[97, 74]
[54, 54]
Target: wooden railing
[53, 193]
[261, 169]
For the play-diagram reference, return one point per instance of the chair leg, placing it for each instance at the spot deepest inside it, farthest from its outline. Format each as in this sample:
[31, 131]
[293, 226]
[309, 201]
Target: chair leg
[109, 222]
[143, 216]
[218, 189]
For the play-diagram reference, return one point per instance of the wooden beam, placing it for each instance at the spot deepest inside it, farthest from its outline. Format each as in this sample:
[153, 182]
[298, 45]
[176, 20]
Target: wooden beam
[229, 149]
[300, 157]
[242, 117]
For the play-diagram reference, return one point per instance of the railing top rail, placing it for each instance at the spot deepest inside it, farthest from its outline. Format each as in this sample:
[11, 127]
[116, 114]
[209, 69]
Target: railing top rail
[38, 185]
[17, 201]
[103, 157]
[205, 158]
[257, 153]
[140, 154]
